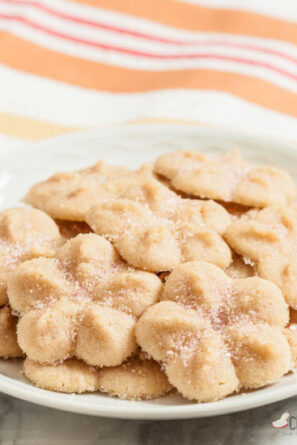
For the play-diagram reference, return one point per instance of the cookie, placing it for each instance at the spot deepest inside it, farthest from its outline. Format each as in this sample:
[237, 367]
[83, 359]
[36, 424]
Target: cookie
[83, 303]
[268, 239]
[72, 376]
[136, 379]
[226, 177]
[68, 196]
[154, 229]
[214, 335]
[9, 347]
[24, 233]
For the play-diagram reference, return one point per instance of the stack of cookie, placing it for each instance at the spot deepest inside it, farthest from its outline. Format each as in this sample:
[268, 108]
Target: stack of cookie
[179, 275]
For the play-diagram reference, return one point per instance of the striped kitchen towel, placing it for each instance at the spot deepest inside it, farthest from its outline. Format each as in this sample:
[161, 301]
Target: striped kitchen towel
[66, 65]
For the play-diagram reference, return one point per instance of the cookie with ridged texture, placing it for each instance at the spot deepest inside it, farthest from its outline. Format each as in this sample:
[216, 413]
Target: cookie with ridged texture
[214, 335]
[227, 177]
[268, 239]
[24, 233]
[82, 303]
[69, 195]
[155, 229]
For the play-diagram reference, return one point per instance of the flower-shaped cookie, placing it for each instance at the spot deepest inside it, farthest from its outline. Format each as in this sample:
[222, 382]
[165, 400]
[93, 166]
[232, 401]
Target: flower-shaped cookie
[226, 177]
[268, 237]
[24, 233]
[82, 303]
[155, 229]
[70, 195]
[137, 378]
[214, 335]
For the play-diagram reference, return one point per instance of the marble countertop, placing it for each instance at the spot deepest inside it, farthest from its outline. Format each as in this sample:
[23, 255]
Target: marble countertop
[22, 423]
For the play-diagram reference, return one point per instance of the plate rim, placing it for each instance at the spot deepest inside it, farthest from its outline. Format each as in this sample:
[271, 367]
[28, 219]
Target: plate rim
[51, 399]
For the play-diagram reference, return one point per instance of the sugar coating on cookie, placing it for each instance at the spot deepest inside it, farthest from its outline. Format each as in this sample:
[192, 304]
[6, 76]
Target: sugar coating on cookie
[24, 233]
[69, 195]
[261, 354]
[72, 376]
[214, 335]
[135, 379]
[9, 347]
[82, 303]
[227, 177]
[155, 229]
[268, 239]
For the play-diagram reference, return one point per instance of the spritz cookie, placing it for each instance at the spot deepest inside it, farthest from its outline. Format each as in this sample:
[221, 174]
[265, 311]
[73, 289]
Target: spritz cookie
[155, 229]
[214, 335]
[69, 195]
[227, 177]
[72, 376]
[137, 379]
[268, 239]
[82, 303]
[24, 233]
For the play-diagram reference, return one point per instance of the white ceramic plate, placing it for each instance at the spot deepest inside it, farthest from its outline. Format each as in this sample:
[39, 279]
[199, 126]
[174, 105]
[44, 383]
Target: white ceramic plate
[130, 146]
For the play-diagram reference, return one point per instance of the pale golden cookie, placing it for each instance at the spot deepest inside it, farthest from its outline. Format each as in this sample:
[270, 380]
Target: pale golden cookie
[105, 336]
[227, 177]
[261, 354]
[68, 196]
[214, 335]
[24, 233]
[81, 303]
[155, 229]
[268, 239]
[72, 376]
[136, 379]
[9, 347]
[48, 335]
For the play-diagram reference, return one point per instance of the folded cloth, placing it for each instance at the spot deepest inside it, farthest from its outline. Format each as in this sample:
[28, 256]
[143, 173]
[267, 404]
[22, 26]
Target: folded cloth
[82, 63]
